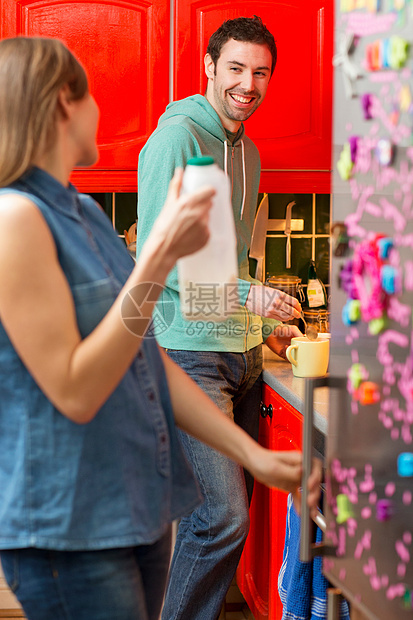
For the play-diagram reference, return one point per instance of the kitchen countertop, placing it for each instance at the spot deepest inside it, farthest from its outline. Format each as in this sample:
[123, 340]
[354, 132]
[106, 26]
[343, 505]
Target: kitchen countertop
[279, 376]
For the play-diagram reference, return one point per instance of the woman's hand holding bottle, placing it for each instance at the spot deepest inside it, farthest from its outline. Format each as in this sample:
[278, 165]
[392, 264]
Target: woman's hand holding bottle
[182, 225]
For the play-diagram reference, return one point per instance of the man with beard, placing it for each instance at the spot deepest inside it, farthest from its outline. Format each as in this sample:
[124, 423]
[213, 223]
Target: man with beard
[224, 358]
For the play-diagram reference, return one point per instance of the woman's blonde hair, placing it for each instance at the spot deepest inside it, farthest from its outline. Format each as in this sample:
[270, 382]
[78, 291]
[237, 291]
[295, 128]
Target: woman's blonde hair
[32, 72]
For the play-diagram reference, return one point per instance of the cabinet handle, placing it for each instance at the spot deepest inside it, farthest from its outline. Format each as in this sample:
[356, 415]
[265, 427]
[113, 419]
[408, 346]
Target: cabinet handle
[307, 550]
[265, 411]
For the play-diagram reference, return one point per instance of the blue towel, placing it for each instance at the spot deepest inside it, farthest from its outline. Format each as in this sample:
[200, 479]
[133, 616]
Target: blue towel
[302, 585]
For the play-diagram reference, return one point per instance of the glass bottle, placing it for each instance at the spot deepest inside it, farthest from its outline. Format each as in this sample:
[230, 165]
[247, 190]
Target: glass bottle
[316, 292]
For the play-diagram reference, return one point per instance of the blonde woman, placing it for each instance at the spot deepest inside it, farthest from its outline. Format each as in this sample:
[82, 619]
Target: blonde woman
[91, 469]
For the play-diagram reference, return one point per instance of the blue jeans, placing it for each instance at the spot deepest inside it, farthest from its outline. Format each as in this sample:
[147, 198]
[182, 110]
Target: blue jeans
[210, 540]
[113, 584]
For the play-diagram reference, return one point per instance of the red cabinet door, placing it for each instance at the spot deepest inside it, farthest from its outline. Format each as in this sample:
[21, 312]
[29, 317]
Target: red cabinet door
[124, 48]
[253, 574]
[286, 434]
[257, 574]
[292, 128]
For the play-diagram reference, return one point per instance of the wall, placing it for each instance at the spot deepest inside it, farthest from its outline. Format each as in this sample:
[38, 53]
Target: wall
[312, 243]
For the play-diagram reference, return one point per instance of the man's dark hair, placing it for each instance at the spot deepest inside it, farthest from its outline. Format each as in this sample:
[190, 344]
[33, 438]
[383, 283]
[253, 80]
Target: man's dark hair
[247, 29]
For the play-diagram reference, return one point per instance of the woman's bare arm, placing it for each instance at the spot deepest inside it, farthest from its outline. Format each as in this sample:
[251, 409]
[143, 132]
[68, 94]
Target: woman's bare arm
[37, 310]
[196, 414]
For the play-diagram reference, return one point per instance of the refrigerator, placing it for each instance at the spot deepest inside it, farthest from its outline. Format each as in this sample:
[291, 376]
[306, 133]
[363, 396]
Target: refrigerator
[368, 502]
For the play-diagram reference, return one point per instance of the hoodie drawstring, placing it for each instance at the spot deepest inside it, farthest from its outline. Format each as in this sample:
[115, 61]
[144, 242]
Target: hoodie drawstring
[226, 157]
[244, 179]
[244, 174]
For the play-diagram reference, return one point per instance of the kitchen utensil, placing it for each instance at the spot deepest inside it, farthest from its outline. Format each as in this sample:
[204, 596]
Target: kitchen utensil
[310, 330]
[287, 231]
[259, 237]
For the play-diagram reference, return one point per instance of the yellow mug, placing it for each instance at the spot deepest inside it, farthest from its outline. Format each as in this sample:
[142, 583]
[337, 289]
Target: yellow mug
[309, 358]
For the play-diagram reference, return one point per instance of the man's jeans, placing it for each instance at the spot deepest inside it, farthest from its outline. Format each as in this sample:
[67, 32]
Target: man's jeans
[210, 540]
[113, 584]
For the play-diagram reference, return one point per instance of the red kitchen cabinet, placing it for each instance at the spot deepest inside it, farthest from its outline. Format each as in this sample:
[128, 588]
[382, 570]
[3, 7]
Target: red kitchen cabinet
[124, 47]
[257, 574]
[292, 128]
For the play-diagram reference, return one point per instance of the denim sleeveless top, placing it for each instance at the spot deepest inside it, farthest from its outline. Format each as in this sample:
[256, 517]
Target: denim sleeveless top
[120, 479]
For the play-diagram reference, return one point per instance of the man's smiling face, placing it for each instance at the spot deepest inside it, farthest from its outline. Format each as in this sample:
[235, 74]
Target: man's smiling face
[239, 81]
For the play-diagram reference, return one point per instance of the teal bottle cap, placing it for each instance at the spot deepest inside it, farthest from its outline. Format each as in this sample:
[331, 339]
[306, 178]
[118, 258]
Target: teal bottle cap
[200, 161]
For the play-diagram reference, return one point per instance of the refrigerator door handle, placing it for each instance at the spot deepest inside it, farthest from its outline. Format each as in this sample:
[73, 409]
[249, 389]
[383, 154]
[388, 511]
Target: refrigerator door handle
[320, 520]
[307, 549]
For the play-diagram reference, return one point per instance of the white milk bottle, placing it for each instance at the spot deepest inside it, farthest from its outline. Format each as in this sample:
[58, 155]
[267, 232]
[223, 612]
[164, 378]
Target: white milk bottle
[208, 278]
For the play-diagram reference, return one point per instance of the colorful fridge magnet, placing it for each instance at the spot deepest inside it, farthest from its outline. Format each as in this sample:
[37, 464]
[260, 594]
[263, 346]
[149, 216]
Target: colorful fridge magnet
[384, 509]
[349, 68]
[344, 509]
[351, 312]
[399, 49]
[407, 600]
[366, 277]
[348, 157]
[405, 98]
[385, 244]
[389, 279]
[376, 326]
[368, 393]
[351, 5]
[369, 281]
[394, 115]
[366, 105]
[345, 164]
[384, 152]
[373, 56]
[405, 464]
[389, 53]
[356, 375]
[347, 281]
[353, 142]
[400, 7]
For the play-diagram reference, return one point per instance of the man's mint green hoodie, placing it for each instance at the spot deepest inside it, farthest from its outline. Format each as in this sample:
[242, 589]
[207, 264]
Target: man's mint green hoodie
[191, 128]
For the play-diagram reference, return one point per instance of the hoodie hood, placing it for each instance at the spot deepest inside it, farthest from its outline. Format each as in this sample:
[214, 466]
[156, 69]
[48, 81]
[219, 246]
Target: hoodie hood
[200, 111]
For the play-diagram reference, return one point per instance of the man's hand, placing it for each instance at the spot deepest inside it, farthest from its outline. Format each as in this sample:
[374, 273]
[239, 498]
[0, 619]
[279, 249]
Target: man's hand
[272, 303]
[280, 339]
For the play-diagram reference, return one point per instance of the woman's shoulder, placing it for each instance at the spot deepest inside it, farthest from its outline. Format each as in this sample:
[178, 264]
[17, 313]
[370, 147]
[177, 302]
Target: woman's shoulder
[10, 196]
[15, 204]
[19, 216]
